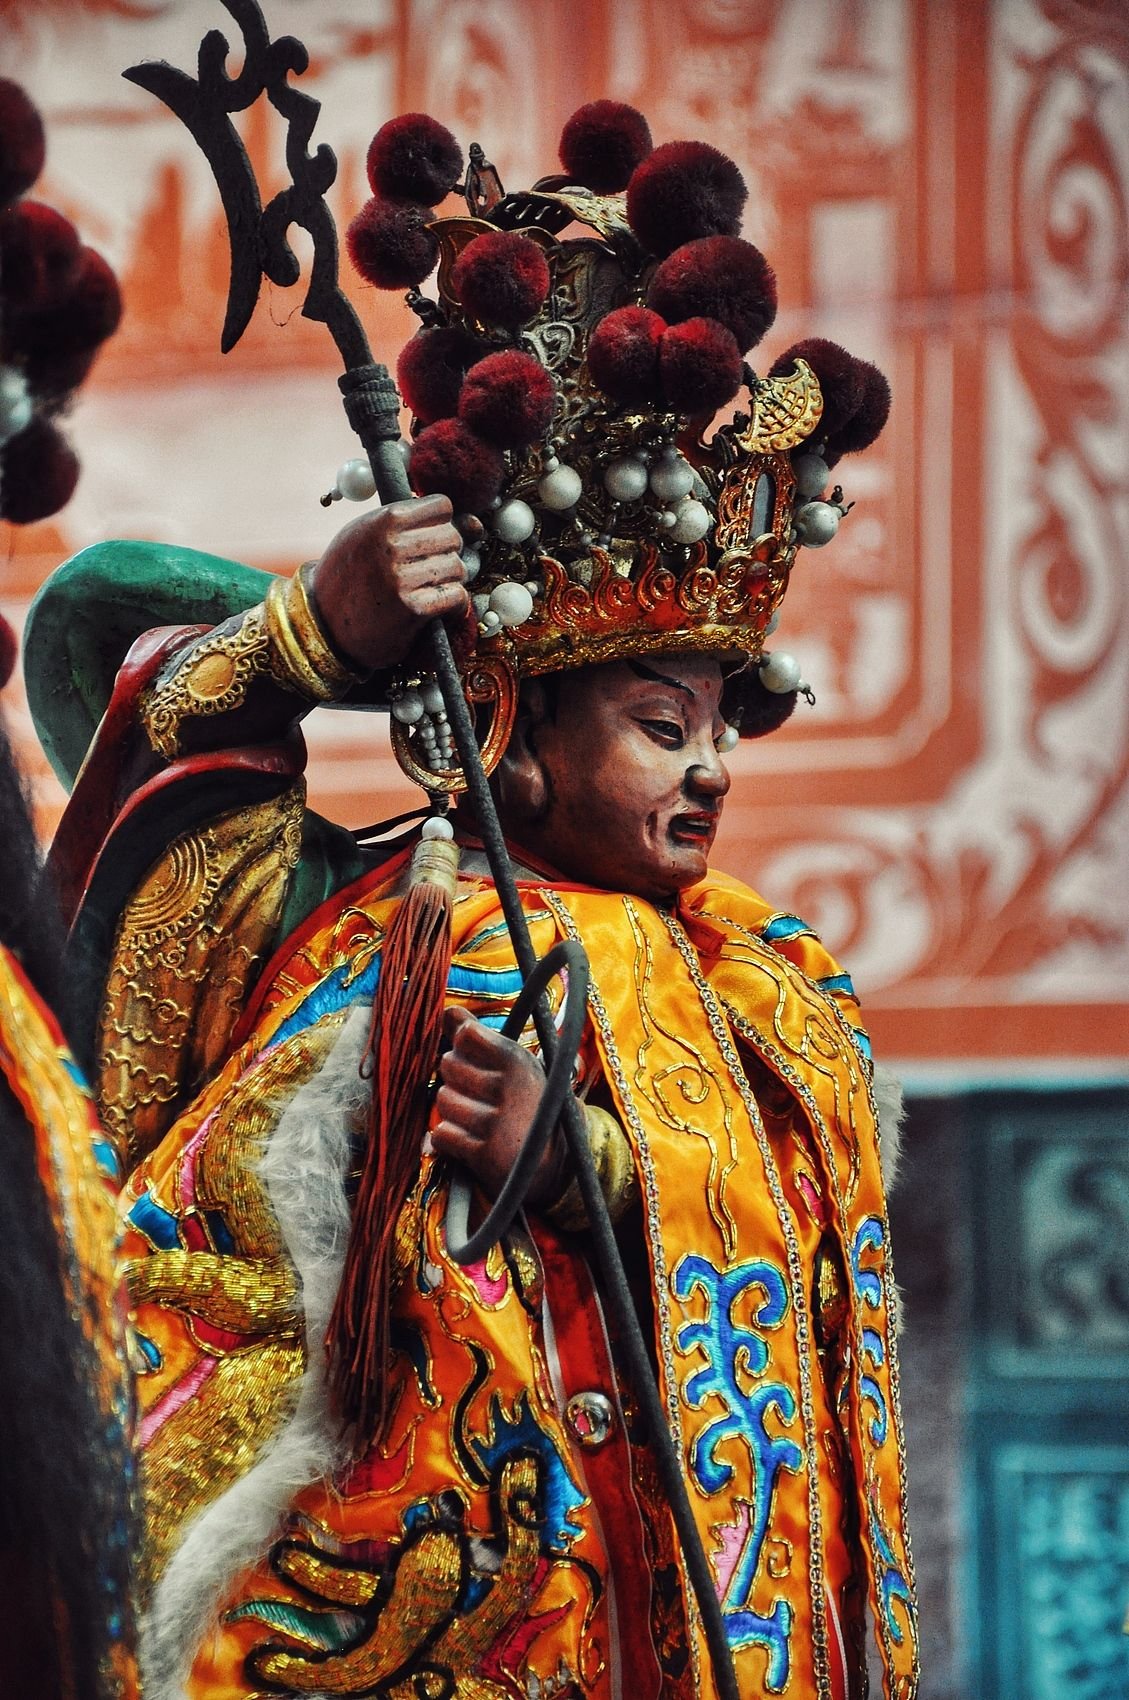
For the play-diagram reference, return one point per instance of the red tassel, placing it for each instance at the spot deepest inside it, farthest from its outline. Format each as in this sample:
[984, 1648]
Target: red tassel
[402, 1053]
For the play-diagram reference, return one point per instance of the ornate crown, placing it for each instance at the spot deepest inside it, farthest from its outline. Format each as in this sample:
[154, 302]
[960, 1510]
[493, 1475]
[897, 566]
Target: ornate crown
[562, 387]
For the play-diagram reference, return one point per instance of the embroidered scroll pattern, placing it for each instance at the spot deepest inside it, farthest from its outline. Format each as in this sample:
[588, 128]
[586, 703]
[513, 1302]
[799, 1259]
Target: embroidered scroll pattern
[868, 1265]
[734, 1355]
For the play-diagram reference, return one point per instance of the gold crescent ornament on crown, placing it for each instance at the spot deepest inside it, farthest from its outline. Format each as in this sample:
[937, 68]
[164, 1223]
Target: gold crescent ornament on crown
[489, 681]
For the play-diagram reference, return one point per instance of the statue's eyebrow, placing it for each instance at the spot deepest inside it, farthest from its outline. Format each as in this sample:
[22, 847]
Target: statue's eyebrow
[645, 672]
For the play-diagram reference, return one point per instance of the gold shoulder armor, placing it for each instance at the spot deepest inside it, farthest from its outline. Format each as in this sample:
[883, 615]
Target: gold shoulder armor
[186, 947]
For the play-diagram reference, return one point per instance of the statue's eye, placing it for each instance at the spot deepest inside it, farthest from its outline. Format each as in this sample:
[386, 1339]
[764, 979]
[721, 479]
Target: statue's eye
[668, 732]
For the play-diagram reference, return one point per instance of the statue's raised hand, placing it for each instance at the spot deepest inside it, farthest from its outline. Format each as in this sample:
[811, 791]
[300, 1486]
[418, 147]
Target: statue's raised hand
[384, 576]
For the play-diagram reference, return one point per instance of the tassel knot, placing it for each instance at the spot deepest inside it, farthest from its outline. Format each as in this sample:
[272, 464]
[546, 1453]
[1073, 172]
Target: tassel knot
[401, 1057]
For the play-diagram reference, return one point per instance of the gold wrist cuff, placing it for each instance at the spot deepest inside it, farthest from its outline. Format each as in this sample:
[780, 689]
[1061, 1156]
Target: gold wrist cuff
[303, 659]
[615, 1167]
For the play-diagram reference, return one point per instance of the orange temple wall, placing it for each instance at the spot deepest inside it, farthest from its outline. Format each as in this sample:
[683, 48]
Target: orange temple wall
[942, 185]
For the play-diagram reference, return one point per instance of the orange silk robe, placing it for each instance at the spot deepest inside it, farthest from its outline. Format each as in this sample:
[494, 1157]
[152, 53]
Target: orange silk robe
[494, 1545]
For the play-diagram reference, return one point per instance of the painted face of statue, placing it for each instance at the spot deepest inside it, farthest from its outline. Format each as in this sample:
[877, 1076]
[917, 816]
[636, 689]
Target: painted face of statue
[616, 780]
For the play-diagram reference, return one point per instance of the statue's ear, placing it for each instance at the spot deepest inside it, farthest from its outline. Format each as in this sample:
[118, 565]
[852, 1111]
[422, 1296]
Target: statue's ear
[521, 778]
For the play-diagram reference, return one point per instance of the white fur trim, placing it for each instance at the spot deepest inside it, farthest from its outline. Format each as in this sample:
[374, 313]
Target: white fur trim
[304, 1169]
[891, 1110]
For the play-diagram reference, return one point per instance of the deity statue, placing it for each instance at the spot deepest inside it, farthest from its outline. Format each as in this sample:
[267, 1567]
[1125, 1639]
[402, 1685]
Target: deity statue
[368, 1467]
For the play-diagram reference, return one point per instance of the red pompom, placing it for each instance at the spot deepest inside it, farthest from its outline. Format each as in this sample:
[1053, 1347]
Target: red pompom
[38, 473]
[449, 460]
[432, 367]
[39, 256]
[602, 143]
[23, 146]
[700, 365]
[508, 399]
[52, 374]
[682, 191]
[719, 277]
[9, 651]
[840, 379]
[623, 355]
[414, 158]
[392, 244]
[868, 419]
[58, 345]
[501, 279]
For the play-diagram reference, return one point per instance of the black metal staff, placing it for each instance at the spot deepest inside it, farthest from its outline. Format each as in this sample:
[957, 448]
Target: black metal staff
[260, 248]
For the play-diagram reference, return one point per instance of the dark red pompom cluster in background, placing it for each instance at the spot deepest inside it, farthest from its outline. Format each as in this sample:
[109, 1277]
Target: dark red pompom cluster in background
[23, 146]
[59, 301]
[40, 471]
[39, 249]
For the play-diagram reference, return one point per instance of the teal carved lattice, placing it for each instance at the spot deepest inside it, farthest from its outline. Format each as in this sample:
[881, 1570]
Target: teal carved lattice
[1047, 1588]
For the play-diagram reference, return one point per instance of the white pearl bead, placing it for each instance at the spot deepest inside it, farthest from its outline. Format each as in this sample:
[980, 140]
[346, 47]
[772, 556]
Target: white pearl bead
[672, 479]
[625, 480]
[817, 523]
[812, 473]
[491, 620]
[472, 562]
[514, 521]
[780, 672]
[666, 517]
[512, 603]
[533, 585]
[408, 708]
[13, 384]
[432, 697]
[560, 487]
[691, 522]
[356, 482]
[437, 826]
[728, 740]
[480, 602]
[16, 405]
[550, 463]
